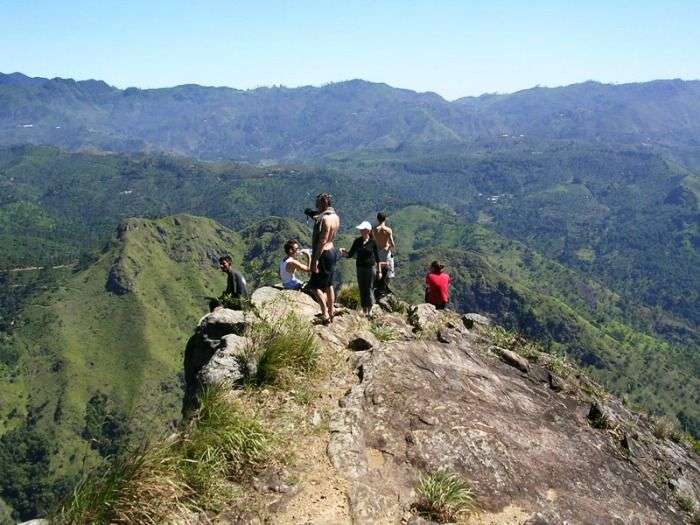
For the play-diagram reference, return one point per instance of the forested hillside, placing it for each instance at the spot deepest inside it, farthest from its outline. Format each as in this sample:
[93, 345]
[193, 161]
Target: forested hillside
[274, 123]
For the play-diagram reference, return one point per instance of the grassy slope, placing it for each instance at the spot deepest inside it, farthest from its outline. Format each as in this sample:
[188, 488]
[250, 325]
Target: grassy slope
[571, 312]
[81, 339]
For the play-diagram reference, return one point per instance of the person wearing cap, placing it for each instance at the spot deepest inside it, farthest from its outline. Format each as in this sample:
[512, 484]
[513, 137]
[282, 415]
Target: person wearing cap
[437, 282]
[366, 254]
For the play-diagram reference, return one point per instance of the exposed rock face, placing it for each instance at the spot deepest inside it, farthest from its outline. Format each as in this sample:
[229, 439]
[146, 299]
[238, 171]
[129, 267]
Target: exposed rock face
[472, 319]
[213, 353]
[422, 406]
[534, 449]
[363, 340]
[272, 303]
[119, 281]
[227, 364]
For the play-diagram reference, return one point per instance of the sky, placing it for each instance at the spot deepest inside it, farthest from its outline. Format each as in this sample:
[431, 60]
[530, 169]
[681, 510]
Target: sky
[450, 47]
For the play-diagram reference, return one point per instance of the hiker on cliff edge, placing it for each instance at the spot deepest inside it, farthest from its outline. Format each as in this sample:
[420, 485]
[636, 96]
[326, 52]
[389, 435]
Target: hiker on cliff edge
[324, 256]
[366, 254]
[235, 282]
[437, 286]
[384, 237]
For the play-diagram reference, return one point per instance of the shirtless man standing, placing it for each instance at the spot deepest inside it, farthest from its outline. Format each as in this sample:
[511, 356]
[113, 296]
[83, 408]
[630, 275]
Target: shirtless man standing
[384, 237]
[324, 255]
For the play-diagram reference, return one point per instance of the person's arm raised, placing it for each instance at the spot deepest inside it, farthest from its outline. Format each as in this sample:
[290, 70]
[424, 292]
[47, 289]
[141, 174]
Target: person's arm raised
[297, 265]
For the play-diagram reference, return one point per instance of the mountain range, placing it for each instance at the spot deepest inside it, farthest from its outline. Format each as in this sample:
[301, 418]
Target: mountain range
[299, 123]
[569, 215]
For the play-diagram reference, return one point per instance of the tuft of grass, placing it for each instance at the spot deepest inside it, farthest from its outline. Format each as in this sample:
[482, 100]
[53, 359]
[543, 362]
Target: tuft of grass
[168, 480]
[223, 429]
[349, 296]
[558, 364]
[143, 486]
[663, 428]
[444, 496]
[234, 303]
[382, 332]
[281, 349]
[686, 502]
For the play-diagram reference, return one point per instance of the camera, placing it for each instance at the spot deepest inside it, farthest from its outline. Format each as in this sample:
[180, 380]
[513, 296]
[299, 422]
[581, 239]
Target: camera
[310, 212]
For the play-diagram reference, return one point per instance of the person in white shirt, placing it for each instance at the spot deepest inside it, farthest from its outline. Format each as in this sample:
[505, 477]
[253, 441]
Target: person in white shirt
[290, 265]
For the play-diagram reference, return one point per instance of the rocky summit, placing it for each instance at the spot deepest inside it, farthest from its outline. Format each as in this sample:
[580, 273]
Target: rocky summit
[417, 391]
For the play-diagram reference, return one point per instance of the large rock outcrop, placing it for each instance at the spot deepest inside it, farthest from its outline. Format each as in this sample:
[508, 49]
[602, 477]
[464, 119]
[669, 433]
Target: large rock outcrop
[216, 351]
[430, 394]
[487, 414]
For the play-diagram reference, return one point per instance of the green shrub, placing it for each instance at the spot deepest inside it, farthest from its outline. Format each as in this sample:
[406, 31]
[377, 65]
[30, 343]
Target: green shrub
[686, 502]
[443, 496]
[349, 296]
[234, 303]
[282, 348]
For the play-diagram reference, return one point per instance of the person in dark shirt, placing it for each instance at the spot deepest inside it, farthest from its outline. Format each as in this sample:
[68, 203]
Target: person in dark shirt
[235, 282]
[364, 249]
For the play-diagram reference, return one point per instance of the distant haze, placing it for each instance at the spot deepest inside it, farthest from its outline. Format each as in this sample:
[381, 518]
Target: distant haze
[452, 48]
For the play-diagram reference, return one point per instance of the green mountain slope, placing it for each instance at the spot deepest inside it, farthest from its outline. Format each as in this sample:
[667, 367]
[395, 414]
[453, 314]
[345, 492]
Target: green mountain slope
[81, 341]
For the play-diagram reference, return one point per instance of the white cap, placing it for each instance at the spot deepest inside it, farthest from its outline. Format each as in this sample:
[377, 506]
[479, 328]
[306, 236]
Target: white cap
[364, 225]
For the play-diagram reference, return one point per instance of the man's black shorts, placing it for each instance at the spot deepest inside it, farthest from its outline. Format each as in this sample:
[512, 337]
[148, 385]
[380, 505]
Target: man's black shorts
[326, 270]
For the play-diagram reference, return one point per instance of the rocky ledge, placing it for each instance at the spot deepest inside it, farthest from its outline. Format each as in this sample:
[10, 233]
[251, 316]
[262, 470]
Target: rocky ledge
[434, 392]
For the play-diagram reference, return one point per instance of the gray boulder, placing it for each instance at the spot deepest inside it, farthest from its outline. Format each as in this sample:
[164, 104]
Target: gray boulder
[224, 321]
[424, 317]
[227, 365]
[511, 358]
[273, 304]
[472, 319]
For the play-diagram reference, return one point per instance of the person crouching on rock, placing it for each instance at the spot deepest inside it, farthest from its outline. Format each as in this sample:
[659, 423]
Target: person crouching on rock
[364, 249]
[437, 281]
[289, 265]
[235, 283]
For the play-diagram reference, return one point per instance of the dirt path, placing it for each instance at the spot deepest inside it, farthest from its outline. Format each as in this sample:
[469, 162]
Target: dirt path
[322, 493]
[35, 268]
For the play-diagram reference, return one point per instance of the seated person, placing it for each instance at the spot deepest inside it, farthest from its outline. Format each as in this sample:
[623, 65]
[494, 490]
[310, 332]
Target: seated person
[289, 265]
[235, 282]
[437, 281]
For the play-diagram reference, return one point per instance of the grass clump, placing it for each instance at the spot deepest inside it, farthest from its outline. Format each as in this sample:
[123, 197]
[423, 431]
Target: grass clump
[687, 503]
[382, 332]
[143, 486]
[234, 303]
[224, 433]
[281, 349]
[349, 296]
[444, 496]
[169, 480]
[663, 428]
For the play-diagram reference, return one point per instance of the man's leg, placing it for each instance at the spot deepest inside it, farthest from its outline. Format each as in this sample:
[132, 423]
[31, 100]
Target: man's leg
[320, 297]
[330, 301]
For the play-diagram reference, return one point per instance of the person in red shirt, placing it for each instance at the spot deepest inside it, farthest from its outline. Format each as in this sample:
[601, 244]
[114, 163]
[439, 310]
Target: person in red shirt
[437, 282]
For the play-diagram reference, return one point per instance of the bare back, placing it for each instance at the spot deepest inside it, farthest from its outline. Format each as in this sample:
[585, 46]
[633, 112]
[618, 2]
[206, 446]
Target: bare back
[329, 229]
[384, 237]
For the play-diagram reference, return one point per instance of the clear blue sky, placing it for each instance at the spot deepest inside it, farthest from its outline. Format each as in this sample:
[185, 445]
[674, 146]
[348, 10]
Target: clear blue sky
[454, 48]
